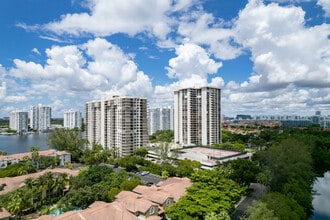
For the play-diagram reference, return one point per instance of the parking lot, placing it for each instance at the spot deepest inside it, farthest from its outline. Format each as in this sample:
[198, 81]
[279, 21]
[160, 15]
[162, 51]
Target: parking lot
[146, 178]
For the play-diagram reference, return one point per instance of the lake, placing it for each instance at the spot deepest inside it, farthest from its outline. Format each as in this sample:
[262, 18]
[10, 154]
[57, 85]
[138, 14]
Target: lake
[13, 144]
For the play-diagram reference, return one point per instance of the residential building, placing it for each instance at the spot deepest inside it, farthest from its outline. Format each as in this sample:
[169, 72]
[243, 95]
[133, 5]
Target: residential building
[40, 117]
[160, 119]
[4, 214]
[118, 122]
[141, 203]
[18, 121]
[280, 120]
[63, 156]
[197, 116]
[72, 119]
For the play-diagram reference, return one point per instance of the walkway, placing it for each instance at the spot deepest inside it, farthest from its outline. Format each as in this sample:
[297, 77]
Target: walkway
[240, 211]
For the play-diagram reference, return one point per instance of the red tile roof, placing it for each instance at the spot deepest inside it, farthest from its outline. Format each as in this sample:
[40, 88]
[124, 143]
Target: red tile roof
[4, 213]
[127, 203]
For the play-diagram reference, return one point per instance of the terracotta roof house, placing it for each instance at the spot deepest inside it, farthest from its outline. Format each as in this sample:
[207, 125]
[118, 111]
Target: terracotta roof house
[4, 214]
[12, 183]
[98, 210]
[142, 203]
[154, 194]
[175, 187]
[141, 207]
[64, 156]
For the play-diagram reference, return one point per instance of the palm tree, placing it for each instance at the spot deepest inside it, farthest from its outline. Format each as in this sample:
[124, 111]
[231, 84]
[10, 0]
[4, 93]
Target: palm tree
[45, 183]
[60, 182]
[16, 203]
[35, 155]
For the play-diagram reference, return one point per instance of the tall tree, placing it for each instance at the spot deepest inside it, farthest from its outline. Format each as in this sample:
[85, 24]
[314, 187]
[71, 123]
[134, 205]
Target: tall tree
[259, 210]
[35, 155]
[290, 165]
[243, 171]
[70, 140]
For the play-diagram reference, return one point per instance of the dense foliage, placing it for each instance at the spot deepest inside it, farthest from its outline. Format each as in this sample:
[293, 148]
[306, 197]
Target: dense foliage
[17, 169]
[293, 160]
[56, 121]
[162, 136]
[36, 192]
[4, 123]
[182, 168]
[69, 140]
[242, 171]
[211, 192]
[96, 183]
[97, 155]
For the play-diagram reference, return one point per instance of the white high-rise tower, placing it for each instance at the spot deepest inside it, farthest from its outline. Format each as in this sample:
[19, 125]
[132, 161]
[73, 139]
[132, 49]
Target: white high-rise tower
[118, 122]
[18, 121]
[160, 119]
[72, 119]
[197, 116]
[40, 117]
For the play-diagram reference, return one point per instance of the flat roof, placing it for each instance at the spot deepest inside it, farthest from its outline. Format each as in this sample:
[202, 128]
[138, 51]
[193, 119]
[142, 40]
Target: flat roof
[212, 152]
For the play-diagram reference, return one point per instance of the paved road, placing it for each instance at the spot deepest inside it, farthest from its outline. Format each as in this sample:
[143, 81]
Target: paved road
[241, 209]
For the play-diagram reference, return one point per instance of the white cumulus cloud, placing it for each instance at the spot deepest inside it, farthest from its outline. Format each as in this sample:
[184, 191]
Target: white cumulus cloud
[131, 17]
[81, 72]
[191, 60]
[325, 4]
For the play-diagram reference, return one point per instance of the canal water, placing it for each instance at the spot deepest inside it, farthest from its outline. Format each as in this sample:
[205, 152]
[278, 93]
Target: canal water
[321, 201]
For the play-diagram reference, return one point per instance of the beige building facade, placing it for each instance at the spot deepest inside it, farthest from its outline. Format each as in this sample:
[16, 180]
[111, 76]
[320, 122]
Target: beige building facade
[118, 122]
[197, 116]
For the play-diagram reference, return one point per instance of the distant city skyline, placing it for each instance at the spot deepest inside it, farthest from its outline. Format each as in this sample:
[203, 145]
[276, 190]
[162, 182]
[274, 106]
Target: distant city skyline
[268, 57]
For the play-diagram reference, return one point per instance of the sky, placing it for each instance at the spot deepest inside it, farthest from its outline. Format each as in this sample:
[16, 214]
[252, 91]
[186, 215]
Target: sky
[268, 57]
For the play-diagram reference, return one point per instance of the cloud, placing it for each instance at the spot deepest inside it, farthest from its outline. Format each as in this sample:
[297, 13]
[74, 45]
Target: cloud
[325, 4]
[214, 34]
[4, 98]
[191, 67]
[36, 51]
[284, 51]
[191, 60]
[105, 18]
[81, 72]
[291, 62]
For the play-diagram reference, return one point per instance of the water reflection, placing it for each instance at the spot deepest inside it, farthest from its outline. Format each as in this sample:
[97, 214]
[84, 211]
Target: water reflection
[13, 144]
[321, 200]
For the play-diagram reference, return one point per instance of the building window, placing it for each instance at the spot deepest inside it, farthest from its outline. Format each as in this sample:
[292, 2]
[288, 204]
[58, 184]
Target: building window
[152, 210]
[168, 202]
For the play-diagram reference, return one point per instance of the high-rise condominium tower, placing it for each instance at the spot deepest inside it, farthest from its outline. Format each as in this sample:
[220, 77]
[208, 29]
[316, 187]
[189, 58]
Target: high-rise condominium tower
[18, 121]
[72, 119]
[40, 117]
[118, 122]
[160, 119]
[197, 116]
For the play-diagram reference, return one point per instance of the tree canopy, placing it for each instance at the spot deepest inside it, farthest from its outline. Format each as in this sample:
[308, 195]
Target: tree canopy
[69, 140]
[162, 136]
[210, 193]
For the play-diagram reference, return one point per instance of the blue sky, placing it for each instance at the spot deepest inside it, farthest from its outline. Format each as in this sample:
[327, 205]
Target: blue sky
[268, 57]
